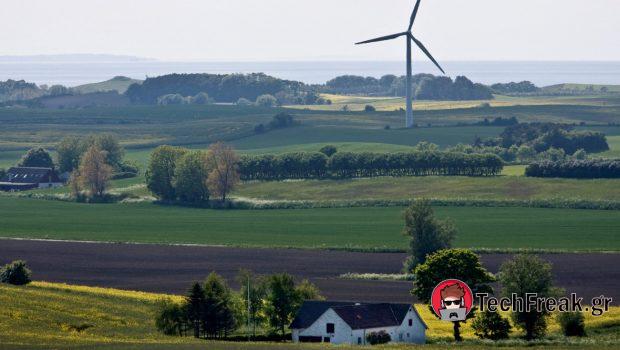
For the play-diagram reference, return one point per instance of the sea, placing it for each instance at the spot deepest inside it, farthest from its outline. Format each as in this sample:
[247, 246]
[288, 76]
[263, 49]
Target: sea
[74, 73]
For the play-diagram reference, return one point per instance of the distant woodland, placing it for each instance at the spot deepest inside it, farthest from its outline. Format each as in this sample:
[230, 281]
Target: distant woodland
[250, 89]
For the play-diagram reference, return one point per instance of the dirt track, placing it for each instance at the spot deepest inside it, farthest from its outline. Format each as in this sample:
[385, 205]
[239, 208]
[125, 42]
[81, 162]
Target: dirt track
[170, 269]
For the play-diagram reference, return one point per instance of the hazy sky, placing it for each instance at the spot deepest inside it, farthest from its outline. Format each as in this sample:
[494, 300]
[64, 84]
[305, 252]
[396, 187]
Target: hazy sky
[244, 30]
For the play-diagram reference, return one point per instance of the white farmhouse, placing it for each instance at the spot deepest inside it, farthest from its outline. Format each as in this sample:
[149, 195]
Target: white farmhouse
[350, 323]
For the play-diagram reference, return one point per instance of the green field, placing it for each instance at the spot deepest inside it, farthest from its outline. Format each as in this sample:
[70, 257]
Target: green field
[47, 316]
[147, 126]
[444, 136]
[344, 228]
[450, 187]
[614, 145]
[357, 103]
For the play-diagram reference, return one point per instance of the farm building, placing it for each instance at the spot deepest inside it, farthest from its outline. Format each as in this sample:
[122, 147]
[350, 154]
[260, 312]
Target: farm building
[351, 323]
[24, 178]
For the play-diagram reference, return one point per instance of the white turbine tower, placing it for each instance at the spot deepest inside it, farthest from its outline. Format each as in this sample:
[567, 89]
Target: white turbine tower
[409, 37]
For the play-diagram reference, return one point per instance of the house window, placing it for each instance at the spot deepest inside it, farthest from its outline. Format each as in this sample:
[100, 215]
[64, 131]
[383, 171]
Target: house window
[330, 328]
[410, 323]
[359, 340]
[400, 336]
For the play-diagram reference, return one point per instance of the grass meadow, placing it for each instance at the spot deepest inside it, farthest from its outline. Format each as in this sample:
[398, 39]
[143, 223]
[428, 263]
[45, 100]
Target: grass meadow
[614, 145]
[58, 316]
[373, 228]
[448, 187]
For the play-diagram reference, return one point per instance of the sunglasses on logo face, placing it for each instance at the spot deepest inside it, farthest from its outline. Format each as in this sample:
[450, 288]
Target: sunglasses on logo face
[450, 302]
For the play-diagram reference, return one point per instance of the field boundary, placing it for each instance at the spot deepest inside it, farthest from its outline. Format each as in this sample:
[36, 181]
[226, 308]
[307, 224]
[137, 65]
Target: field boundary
[326, 248]
[249, 203]
[245, 203]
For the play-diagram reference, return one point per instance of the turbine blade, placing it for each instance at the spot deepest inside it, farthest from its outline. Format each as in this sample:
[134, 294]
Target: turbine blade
[421, 46]
[383, 38]
[414, 14]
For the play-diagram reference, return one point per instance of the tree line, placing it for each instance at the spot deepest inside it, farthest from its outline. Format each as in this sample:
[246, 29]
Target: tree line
[212, 310]
[176, 173]
[316, 165]
[221, 87]
[513, 88]
[576, 169]
[424, 86]
[543, 136]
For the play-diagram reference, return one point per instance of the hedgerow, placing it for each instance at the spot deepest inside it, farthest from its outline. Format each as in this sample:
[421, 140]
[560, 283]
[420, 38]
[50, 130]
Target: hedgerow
[316, 165]
[576, 169]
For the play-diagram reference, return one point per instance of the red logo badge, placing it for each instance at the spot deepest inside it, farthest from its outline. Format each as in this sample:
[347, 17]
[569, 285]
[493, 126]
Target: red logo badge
[452, 300]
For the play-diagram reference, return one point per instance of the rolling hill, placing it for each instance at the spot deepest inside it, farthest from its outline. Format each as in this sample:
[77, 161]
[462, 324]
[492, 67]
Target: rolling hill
[118, 84]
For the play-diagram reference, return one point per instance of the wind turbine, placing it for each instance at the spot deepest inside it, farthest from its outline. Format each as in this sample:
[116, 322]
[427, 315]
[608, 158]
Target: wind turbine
[409, 37]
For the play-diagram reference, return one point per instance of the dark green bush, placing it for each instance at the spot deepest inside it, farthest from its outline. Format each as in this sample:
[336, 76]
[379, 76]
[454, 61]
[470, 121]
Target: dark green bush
[572, 324]
[377, 338]
[328, 150]
[15, 273]
[491, 325]
[171, 318]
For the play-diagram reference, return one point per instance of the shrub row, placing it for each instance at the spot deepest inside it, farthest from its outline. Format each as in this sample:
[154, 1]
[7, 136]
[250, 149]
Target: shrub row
[304, 165]
[475, 203]
[576, 169]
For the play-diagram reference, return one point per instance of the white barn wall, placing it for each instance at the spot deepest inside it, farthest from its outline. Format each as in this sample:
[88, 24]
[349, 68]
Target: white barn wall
[342, 333]
[417, 332]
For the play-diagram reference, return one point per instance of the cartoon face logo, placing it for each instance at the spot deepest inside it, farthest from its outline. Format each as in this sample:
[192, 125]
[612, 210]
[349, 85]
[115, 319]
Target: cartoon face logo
[452, 300]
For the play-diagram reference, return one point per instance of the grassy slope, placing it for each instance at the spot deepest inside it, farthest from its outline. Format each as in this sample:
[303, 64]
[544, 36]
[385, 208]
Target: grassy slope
[321, 134]
[44, 315]
[492, 188]
[366, 228]
[119, 84]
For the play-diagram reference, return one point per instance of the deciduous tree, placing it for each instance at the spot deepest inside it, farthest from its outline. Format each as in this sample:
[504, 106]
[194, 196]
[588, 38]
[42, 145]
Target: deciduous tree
[190, 178]
[69, 150]
[253, 292]
[161, 171]
[94, 172]
[110, 144]
[523, 275]
[491, 325]
[266, 101]
[426, 233]
[38, 158]
[222, 162]
[284, 299]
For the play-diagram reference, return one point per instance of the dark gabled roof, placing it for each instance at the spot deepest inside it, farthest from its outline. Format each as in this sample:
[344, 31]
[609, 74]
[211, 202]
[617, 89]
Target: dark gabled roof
[366, 316]
[30, 175]
[356, 315]
[311, 310]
